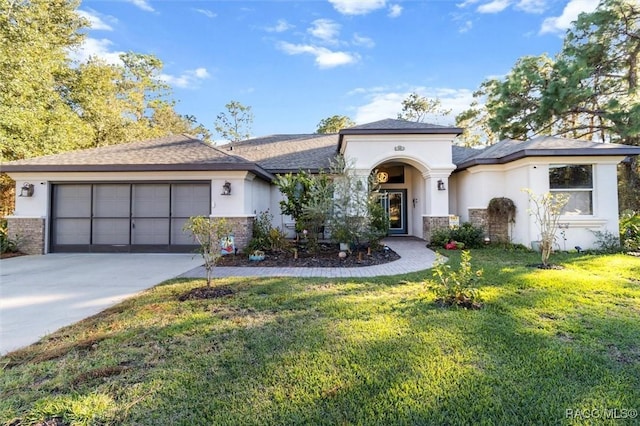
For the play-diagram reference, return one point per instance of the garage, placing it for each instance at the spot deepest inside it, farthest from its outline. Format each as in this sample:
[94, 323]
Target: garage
[125, 217]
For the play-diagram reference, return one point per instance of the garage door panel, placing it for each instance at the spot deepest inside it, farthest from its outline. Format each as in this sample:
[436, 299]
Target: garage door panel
[111, 200]
[111, 231]
[72, 201]
[190, 200]
[73, 231]
[151, 200]
[150, 231]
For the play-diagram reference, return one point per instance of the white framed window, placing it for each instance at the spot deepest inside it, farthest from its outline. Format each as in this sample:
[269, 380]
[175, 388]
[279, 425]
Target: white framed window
[575, 181]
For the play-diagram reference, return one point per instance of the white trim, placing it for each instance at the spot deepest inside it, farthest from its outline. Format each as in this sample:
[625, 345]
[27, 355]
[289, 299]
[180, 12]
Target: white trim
[582, 222]
[24, 217]
[231, 216]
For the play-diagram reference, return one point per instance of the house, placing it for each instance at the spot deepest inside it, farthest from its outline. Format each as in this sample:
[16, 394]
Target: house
[137, 196]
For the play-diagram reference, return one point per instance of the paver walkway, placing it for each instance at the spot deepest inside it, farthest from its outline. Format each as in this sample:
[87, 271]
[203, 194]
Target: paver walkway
[414, 256]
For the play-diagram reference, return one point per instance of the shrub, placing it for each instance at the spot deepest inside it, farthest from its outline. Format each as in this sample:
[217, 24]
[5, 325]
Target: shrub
[467, 234]
[456, 287]
[7, 244]
[265, 237]
[607, 242]
[630, 230]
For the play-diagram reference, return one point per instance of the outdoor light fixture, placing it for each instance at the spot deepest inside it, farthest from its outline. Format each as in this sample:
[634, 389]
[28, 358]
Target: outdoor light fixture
[382, 177]
[26, 190]
[226, 188]
[441, 185]
[415, 201]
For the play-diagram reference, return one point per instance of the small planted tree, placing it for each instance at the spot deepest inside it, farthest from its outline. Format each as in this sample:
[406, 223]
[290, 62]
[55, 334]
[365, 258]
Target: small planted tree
[208, 233]
[546, 210]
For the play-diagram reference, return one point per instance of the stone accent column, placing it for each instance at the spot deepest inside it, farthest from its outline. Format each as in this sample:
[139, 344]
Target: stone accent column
[29, 232]
[242, 230]
[433, 223]
[480, 219]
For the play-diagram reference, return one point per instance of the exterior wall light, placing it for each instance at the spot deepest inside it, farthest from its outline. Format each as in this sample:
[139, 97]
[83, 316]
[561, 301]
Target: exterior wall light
[226, 188]
[441, 185]
[26, 190]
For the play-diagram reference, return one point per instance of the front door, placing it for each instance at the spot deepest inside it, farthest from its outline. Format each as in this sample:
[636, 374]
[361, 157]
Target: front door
[394, 201]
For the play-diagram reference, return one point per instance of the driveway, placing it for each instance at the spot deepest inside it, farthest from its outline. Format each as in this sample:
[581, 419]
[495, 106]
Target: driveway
[39, 294]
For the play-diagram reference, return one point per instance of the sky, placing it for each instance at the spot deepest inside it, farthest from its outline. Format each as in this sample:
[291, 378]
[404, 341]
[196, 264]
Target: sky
[297, 62]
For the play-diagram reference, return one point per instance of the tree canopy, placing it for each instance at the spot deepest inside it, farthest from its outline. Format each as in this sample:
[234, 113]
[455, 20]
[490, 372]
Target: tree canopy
[417, 108]
[334, 124]
[235, 124]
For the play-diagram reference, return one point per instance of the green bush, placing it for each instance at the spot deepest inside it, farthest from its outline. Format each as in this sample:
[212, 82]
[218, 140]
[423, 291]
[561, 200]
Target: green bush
[471, 236]
[7, 244]
[265, 237]
[630, 230]
[456, 288]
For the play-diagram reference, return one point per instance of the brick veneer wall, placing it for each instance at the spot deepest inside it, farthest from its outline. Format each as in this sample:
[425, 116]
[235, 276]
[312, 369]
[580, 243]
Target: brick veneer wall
[242, 230]
[433, 223]
[29, 232]
[496, 229]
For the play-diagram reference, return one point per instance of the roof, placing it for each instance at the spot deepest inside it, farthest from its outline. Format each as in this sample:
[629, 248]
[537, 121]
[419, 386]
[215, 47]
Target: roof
[285, 153]
[392, 126]
[289, 153]
[176, 152]
[509, 150]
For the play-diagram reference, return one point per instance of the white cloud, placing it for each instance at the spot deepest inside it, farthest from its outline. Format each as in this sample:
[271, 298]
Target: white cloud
[206, 12]
[142, 4]
[324, 57]
[325, 30]
[532, 6]
[359, 40]
[357, 7]
[497, 6]
[494, 6]
[187, 80]
[280, 27]
[465, 27]
[380, 104]
[395, 10]
[93, 47]
[559, 24]
[95, 20]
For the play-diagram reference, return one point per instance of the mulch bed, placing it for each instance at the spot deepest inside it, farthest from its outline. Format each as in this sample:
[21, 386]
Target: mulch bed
[206, 293]
[11, 254]
[327, 256]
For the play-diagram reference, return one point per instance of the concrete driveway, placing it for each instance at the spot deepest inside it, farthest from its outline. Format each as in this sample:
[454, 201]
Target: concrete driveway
[39, 294]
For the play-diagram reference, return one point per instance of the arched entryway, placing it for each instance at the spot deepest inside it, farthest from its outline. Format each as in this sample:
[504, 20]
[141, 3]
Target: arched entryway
[401, 195]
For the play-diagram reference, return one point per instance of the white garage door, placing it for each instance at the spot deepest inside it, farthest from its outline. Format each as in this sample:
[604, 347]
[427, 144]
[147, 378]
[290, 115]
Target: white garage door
[140, 217]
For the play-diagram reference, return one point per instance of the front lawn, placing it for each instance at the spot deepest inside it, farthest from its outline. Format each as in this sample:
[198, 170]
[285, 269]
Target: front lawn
[549, 347]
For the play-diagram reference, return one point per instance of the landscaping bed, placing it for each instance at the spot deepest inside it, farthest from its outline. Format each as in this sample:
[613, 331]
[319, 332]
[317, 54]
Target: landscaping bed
[326, 256]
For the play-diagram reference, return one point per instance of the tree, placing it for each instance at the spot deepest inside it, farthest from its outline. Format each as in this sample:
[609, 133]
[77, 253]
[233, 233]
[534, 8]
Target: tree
[334, 124]
[416, 108]
[235, 124]
[208, 233]
[546, 210]
[588, 91]
[35, 36]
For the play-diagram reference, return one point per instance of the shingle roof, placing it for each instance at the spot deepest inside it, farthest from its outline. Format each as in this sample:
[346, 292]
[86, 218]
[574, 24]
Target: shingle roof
[283, 153]
[177, 152]
[390, 124]
[544, 146]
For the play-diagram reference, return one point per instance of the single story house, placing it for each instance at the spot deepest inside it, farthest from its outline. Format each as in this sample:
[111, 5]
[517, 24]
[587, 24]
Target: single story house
[137, 196]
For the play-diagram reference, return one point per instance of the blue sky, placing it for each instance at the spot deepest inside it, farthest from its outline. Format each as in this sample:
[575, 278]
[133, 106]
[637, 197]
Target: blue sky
[297, 62]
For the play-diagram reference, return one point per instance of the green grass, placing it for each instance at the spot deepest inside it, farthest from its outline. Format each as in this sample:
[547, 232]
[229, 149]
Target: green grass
[378, 351]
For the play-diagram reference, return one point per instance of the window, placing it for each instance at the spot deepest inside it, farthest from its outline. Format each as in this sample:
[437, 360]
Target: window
[576, 181]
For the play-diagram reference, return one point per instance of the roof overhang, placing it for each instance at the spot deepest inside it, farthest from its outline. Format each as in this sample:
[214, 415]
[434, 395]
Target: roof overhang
[57, 168]
[418, 131]
[580, 152]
